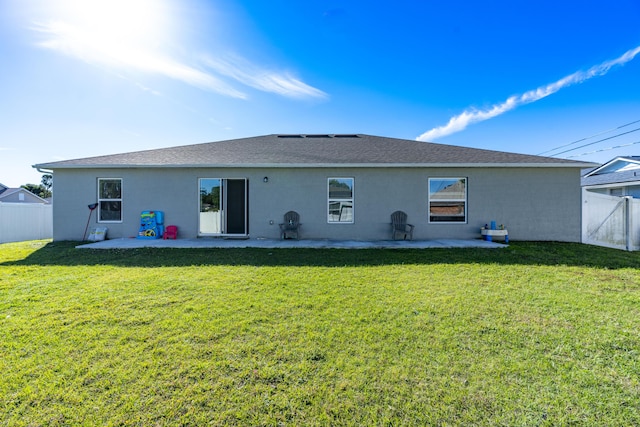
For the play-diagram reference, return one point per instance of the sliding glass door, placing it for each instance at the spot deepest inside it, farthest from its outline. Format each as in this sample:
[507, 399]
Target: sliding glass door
[223, 207]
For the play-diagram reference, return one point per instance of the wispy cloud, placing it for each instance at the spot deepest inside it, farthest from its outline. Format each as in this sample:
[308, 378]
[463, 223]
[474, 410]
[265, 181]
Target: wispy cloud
[100, 49]
[95, 49]
[262, 79]
[474, 115]
[148, 89]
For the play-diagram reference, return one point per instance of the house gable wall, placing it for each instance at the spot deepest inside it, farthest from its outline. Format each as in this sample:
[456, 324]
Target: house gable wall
[14, 197]
[534, 203]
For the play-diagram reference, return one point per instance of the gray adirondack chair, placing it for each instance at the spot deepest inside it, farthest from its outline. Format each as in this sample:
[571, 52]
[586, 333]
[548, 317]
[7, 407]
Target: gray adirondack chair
[289, 228]
[400, 228]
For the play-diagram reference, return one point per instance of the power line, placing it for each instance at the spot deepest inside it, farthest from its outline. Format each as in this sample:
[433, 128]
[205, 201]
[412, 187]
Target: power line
[604, 149]
[595, 142]
[588, 137]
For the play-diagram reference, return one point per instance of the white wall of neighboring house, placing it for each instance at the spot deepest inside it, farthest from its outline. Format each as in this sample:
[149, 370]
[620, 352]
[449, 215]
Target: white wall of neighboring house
[25, 221]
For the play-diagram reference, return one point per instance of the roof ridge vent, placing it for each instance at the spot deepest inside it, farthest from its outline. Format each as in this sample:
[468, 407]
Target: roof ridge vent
[320, 135]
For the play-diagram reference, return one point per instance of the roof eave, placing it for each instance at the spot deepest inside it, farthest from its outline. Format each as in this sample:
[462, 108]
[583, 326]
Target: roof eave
[610, 184]
[319, 165]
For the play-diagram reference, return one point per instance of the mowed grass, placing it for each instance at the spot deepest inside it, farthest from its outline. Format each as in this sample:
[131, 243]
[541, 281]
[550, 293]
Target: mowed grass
[534, 334]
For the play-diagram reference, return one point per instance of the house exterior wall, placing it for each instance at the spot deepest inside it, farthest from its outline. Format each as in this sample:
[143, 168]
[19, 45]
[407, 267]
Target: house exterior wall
[27, 197]
[533, 203]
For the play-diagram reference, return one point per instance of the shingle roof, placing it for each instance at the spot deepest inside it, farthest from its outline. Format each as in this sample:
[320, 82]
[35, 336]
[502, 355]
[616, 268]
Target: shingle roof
[313, 151]
[611, 178]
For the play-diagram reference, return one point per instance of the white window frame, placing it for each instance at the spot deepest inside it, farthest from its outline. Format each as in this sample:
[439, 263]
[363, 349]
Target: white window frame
[330, 216]
[101, 200]
[464, 200]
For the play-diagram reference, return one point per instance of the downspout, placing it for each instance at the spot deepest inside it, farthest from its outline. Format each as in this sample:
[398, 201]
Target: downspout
[45, 172]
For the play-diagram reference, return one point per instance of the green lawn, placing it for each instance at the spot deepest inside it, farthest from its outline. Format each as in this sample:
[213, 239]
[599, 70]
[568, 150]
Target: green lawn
[534, 334]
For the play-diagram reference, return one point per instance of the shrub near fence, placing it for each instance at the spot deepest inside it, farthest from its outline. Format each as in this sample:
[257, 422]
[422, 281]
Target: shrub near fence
[25, 221]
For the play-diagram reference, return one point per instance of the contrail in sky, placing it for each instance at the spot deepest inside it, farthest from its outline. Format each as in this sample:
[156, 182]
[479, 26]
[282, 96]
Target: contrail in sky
[473, 115]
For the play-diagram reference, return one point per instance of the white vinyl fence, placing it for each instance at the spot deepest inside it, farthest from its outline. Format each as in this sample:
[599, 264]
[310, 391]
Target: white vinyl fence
[210, 222]
[611, 221]
[25, 221]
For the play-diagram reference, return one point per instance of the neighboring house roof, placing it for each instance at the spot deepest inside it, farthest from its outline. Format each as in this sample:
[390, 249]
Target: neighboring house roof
[12, 195]
[621, 170]
[308, 150]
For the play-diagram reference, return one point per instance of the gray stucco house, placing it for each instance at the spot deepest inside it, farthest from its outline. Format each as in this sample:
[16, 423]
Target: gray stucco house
[343, 186]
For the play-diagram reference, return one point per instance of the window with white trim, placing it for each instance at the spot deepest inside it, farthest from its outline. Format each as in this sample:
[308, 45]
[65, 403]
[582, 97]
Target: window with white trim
[109, 199]
[448, 200]
[340, 200]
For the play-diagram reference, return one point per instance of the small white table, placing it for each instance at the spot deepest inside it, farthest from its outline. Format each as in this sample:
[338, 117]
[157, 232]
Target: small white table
[488, 234]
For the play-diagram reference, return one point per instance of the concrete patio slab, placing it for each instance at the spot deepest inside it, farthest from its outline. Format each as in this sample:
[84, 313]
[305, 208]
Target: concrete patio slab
[132, 243]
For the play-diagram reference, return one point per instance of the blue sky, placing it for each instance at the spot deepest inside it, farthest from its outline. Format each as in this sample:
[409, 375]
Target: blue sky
[83, 78]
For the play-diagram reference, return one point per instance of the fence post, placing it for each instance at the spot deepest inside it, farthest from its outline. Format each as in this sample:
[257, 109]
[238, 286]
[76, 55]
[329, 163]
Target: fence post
[627, 222]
